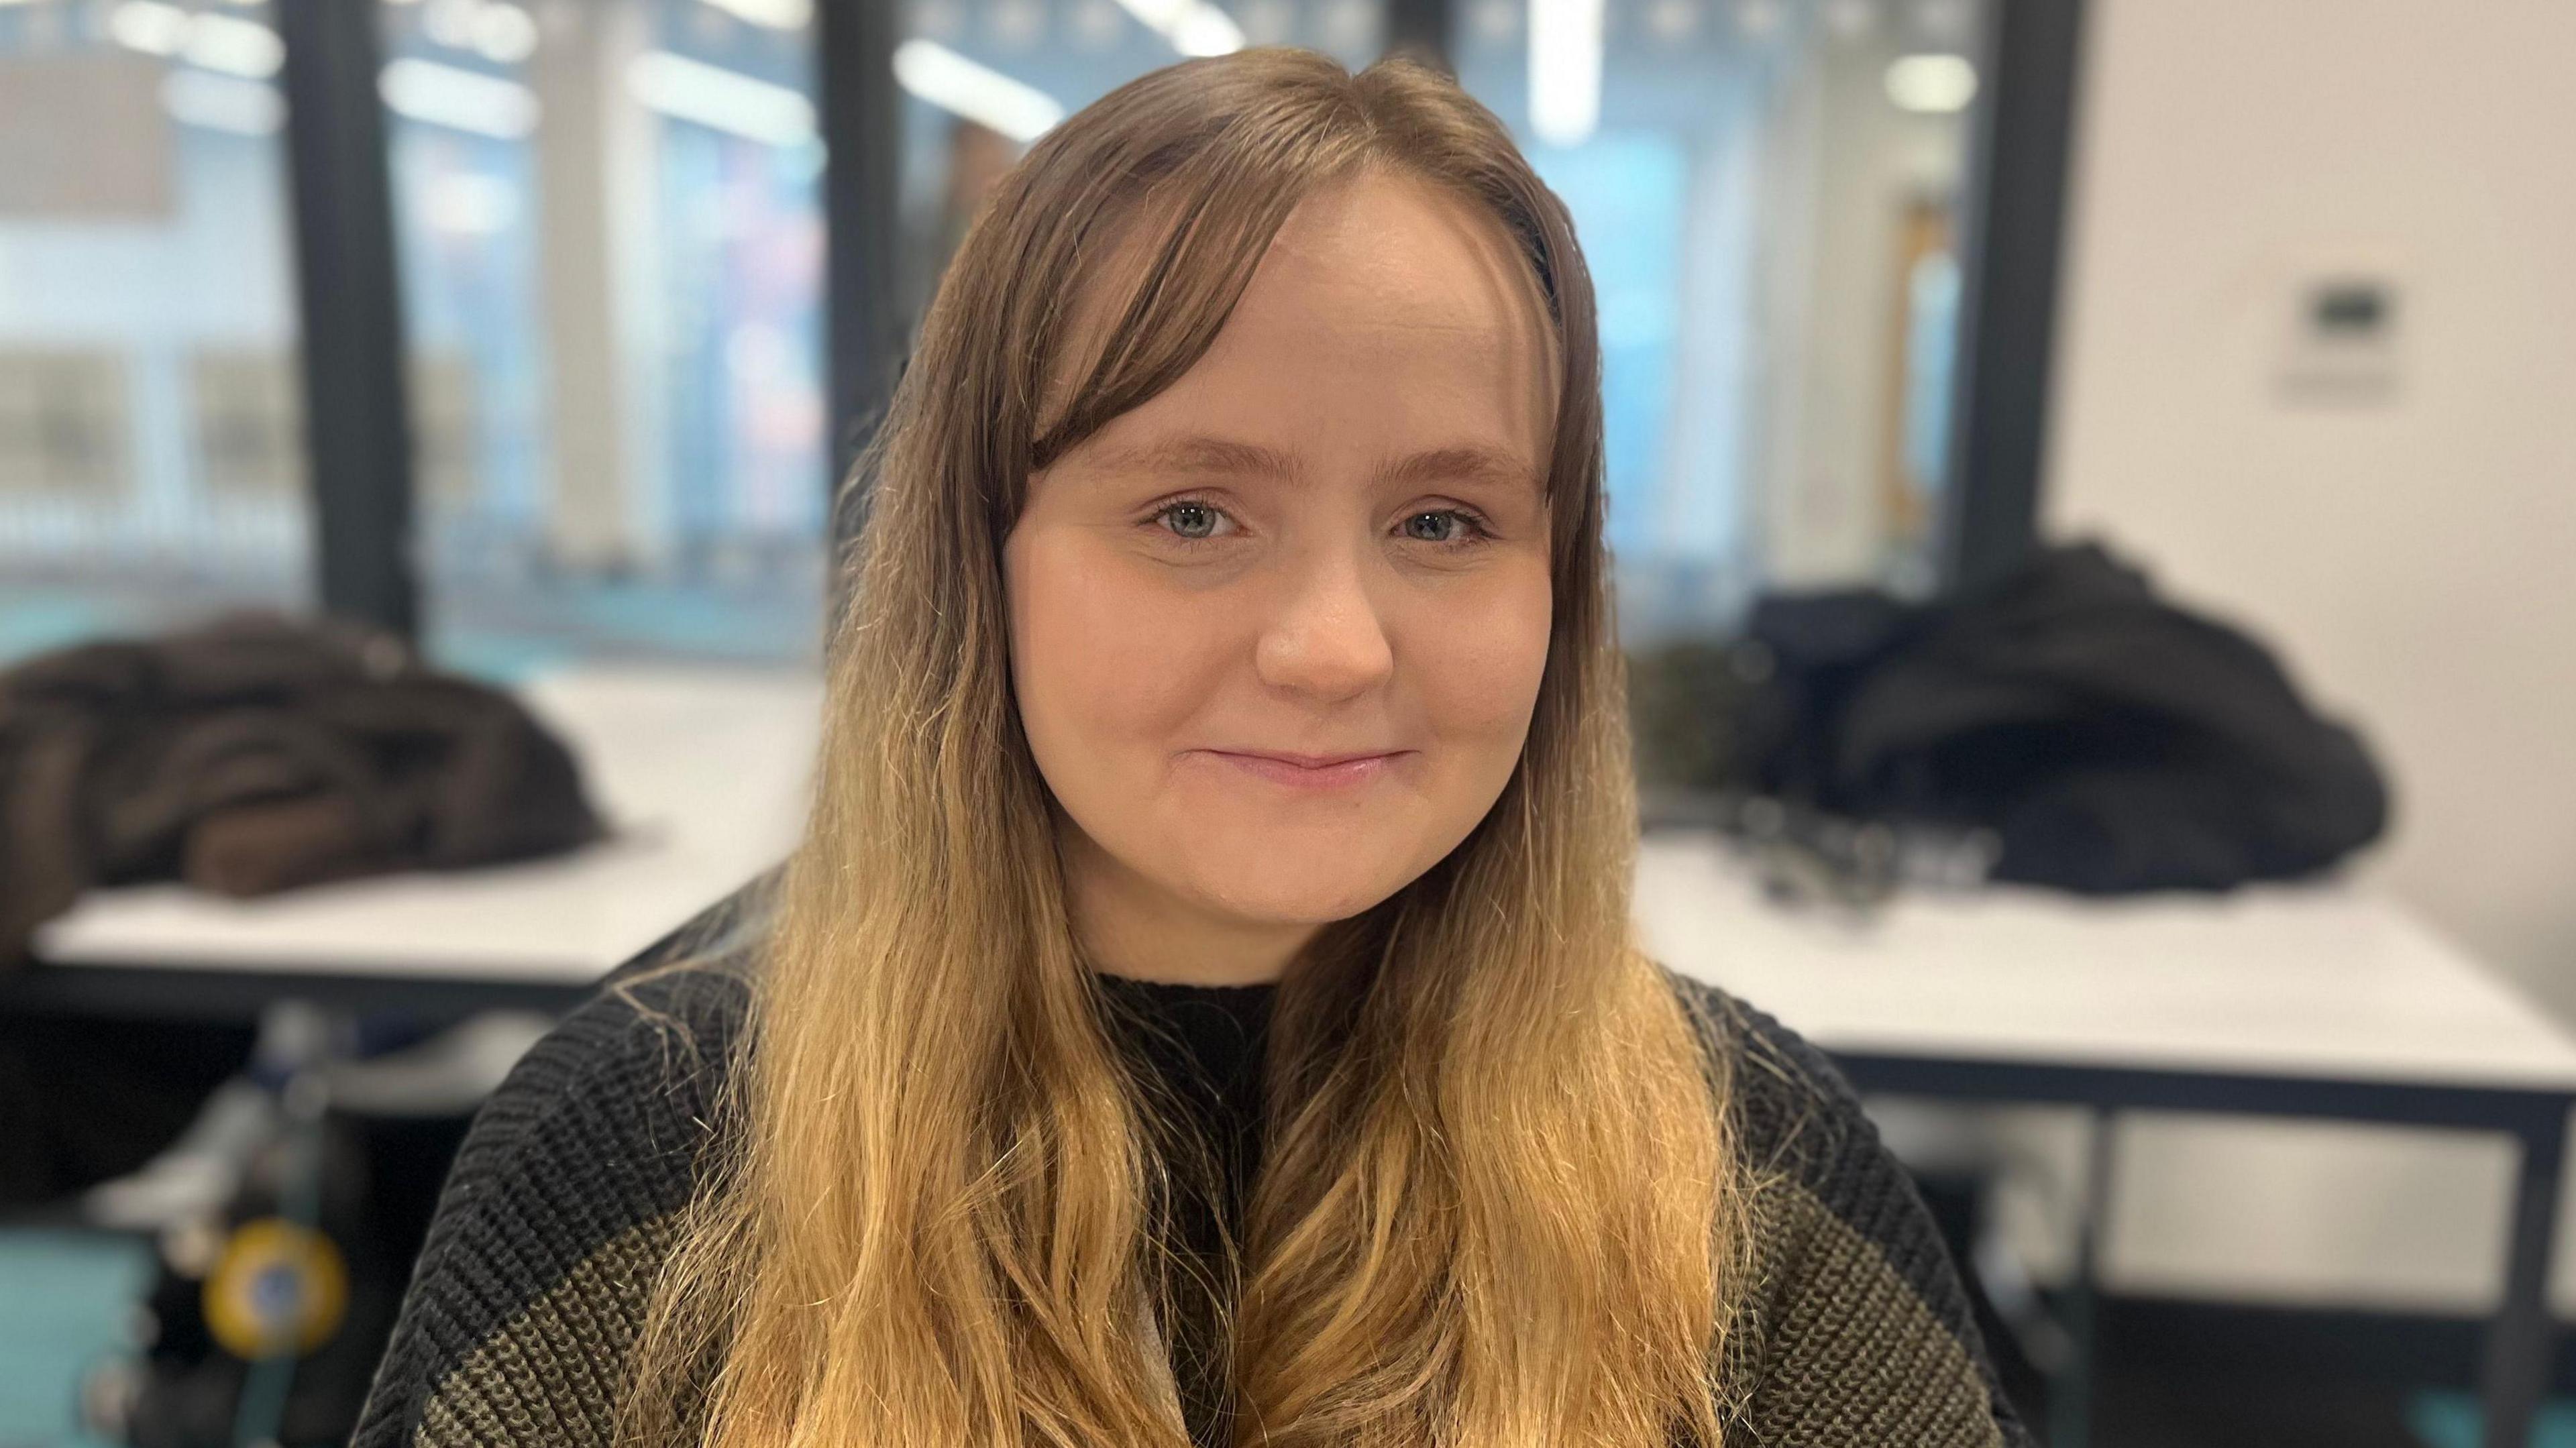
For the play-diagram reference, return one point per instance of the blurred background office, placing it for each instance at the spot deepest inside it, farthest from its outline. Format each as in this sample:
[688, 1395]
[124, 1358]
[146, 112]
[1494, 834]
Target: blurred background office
[531, 336]
[609, 229]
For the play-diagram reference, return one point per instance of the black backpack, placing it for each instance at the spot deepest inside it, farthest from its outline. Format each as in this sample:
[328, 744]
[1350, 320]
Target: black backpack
[2108, 740]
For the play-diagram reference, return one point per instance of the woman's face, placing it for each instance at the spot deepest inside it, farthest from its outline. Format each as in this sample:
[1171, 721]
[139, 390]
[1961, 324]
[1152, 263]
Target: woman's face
[1277, 633]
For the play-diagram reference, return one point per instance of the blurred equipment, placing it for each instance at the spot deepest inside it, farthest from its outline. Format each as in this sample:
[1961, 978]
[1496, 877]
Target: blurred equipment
[280, 1288]
[287, 1221]
[258, 754]
[2106, 740]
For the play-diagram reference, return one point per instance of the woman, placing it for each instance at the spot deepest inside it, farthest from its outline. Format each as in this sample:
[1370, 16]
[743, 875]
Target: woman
[1203, 1008]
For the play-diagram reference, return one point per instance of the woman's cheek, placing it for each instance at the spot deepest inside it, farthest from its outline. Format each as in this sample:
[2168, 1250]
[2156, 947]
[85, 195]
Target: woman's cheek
[1485, 672]
[1125, 658]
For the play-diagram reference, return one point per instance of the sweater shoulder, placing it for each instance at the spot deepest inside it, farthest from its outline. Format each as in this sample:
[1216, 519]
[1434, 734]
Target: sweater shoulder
[1792, 1111]
[1852, 1281]
[623, 1089]
[565, 1193]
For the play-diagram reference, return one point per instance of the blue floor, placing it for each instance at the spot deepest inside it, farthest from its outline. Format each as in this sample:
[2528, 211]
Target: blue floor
[2450, 1420]
[66, 1301]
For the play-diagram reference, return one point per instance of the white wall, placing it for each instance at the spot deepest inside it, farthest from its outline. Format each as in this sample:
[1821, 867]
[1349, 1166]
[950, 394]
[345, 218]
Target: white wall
[2414, 561]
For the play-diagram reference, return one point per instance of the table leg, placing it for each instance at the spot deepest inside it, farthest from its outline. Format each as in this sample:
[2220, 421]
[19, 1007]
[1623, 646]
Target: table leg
[2070, 1388]
[2518, 1346]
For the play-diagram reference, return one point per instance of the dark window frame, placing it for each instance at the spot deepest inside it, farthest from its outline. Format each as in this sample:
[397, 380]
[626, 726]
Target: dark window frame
[2012, 245]
[357, 412]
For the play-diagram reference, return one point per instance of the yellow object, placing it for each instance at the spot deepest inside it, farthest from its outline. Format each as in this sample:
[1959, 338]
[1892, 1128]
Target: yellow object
[278, 1287]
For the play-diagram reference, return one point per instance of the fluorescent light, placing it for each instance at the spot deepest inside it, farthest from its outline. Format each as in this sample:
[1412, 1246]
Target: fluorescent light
[459, 99]
[981, 94]
[773, 14]
[504, 34]
[1158, 16]
[1194, 27]
[234, 46]
[1206, 30]
[225, 43]
[1565, 70]
[149, 26]
[1931, 83]
[223, 103]
[720, 99]
[449, 22]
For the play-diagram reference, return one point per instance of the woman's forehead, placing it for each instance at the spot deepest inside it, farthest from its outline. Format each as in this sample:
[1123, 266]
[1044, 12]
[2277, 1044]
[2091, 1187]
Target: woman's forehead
[1378, 272]
[1408, 250]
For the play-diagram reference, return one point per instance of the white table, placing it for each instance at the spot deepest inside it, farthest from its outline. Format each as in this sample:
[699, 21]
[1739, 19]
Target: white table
[700, 773]
[2290, 1001]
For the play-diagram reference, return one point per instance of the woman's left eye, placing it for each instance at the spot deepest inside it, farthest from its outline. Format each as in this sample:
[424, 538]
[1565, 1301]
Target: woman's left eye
[1441, 525]
[1190, 520]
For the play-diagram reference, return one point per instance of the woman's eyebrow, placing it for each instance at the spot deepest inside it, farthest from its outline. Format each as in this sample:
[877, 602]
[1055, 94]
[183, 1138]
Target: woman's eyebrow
[1197, 453]
[1466, 463]
[1200, 453]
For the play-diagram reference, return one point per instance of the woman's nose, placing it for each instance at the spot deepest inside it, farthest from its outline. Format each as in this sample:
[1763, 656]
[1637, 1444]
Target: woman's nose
[1328, 640]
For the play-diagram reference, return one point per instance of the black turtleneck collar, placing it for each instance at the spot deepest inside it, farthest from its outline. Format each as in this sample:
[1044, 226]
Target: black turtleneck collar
[1214, 1031]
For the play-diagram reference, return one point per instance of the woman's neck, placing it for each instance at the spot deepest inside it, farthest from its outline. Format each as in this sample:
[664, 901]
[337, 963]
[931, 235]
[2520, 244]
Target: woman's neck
[1131, 927]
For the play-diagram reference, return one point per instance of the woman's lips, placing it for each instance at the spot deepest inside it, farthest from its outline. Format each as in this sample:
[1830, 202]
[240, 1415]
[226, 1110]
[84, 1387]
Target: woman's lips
[1313, 771]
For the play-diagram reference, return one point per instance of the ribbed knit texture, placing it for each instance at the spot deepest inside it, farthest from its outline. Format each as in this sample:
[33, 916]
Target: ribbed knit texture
[530, 1292]
[1202, 1047]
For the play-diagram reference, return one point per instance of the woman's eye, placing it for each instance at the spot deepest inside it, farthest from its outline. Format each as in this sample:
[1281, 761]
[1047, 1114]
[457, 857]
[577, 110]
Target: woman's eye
[1439, 525]
[1192, 521]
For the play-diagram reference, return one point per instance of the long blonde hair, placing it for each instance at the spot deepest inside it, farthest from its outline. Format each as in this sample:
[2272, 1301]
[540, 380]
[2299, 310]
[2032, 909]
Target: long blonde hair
[1497, 1205]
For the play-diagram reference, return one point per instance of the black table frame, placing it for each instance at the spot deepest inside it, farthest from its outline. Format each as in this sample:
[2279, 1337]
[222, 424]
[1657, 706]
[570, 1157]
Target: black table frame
[107, 990]
[2515, 1373]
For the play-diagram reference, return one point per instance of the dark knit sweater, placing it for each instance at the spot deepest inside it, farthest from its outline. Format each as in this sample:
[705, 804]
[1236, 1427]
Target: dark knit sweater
[1203, 1045]
[563, 1204]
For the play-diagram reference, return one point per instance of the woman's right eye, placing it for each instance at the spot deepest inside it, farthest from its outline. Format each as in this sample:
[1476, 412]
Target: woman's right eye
[1191, 521]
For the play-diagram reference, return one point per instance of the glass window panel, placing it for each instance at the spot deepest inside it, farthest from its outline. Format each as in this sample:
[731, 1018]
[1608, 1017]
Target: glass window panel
[151, 436]
[1767, 192]
[613, 266]
[611, 239]
[1055, 57]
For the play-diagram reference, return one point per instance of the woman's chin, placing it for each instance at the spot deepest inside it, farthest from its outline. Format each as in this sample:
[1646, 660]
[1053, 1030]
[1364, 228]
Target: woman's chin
[1291, 897]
